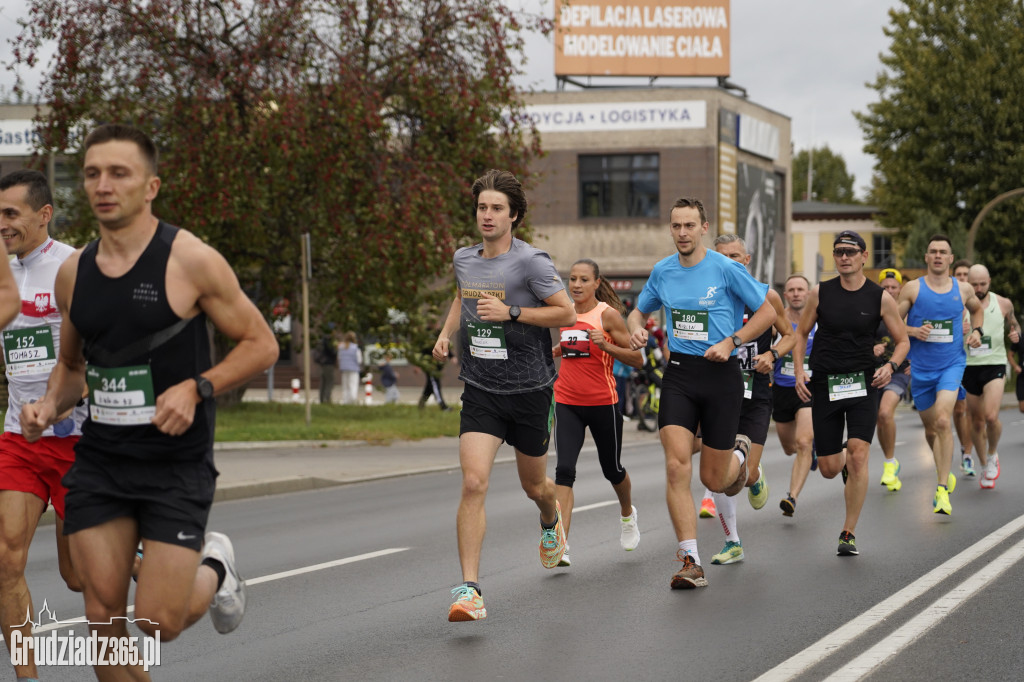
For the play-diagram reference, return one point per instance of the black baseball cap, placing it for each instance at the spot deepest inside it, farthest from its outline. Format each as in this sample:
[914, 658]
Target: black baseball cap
[850, 238]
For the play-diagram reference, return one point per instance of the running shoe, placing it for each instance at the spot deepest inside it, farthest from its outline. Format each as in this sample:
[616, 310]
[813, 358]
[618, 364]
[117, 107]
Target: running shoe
[552, 541]
[788, 505]
[732, 553]
[468, 605]
[990, 473]
[228, 604]
[847, 544]
[950, 482]
[137, 565]
[690, 575]
[940, 505]
[565, 561]
[845, 473]
[814, 457]
[743, 444]
[629, 537]
[986, 482]
[967, 464]
[758, 493]
[891, 475]
[707, 508]
[994, 457]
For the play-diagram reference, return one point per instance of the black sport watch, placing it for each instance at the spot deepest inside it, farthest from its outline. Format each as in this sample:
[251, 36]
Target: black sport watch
[514, 312]
[204, 387]
[736, 341]
[895, 367]
[775, 354]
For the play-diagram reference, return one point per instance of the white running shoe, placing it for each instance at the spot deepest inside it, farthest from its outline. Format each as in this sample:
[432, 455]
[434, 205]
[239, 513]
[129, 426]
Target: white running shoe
[565, 561]
[228, 605]
[630, 536]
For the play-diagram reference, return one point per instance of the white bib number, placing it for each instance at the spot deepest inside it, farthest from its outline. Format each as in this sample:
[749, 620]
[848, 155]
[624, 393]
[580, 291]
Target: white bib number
[575, 343]
[941, 331]
[487, 340]
[29, 351]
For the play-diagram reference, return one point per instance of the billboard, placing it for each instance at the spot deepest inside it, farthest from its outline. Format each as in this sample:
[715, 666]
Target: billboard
[759, 218]
[641, 38]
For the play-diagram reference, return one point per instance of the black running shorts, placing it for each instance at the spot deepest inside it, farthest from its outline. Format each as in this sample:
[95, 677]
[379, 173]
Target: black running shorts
[755, 415]
[523, 420]
[856, 415]
[698, 391]
[170, 500]
[976, 376]
[785, 403]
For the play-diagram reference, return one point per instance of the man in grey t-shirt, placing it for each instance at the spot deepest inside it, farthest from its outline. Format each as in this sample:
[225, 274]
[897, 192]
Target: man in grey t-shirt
[509, 294]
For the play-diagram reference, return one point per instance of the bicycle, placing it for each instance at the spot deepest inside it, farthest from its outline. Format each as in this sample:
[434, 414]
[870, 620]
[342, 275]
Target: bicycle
[645, 392]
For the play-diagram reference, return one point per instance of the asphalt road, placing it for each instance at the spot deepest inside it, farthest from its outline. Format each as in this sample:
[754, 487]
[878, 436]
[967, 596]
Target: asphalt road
[929, 597]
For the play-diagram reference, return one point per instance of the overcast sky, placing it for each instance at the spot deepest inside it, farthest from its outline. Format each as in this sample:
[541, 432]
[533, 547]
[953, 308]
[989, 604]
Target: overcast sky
[807, 59]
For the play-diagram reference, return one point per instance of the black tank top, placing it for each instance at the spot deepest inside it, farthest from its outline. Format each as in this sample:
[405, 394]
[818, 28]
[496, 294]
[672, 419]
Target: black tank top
[847, 321]
[111, 314]
[762, 386]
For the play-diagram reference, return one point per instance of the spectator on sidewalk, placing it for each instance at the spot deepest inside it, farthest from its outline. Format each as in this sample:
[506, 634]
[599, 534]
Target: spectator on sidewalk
[350, 360]
[324, 356]
[389, 380]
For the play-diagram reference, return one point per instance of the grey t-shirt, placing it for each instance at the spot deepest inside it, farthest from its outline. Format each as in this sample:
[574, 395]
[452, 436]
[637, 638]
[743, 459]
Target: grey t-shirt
[505, 357]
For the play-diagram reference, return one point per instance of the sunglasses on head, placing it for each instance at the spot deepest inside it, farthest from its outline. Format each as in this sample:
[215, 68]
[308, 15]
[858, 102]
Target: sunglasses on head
[847, 253]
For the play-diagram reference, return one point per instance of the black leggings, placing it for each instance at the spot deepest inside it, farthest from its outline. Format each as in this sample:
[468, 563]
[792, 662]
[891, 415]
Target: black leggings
[605, 423]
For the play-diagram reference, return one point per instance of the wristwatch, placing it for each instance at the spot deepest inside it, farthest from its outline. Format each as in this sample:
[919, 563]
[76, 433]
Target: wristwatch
[775, 354]
[895, 367]
[736, 341]
[514, 312]
[981, 332]
[204, 387]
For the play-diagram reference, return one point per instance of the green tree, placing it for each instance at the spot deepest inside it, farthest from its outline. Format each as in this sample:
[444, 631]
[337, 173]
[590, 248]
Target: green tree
[830, 181]
[361, 122]
[946, 130]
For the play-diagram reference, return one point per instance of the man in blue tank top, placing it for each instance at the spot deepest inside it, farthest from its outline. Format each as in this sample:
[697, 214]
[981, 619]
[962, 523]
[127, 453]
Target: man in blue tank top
[845, 381]
[704, 294]
[933, 306]
[144, 465]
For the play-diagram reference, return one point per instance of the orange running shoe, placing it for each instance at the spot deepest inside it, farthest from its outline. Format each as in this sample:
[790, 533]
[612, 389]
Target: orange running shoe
[707, 508]
[552, 541]
[468, 605]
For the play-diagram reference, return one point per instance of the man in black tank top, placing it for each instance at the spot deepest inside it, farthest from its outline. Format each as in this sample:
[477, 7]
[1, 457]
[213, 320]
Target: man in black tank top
[757, 360]
[134, 306]
[844, 388]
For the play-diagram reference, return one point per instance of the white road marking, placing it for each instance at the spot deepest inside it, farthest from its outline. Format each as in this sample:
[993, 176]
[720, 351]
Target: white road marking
[843, 635]
[943, 607]
[596, 505]
[256, 581]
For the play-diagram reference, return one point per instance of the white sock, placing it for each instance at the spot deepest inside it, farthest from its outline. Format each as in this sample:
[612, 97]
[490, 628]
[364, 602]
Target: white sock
[690, 547]
[726, 507]
[890, 460]
[740, 456]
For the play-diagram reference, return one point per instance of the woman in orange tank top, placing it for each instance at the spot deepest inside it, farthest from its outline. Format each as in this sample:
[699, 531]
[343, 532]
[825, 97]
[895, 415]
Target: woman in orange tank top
[585, 395]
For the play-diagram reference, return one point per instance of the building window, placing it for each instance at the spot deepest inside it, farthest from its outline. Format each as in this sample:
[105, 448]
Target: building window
[619, 186]
[881, 246]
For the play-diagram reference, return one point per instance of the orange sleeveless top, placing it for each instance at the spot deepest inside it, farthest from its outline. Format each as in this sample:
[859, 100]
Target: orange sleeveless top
[585, 375]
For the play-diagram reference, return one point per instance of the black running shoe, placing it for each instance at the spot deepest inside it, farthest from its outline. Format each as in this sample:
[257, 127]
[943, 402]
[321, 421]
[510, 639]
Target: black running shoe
[847, 544]
[787, 505]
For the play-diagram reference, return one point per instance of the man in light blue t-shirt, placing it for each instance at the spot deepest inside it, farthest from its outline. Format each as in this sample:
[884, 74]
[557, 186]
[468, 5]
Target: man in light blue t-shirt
[703, 293]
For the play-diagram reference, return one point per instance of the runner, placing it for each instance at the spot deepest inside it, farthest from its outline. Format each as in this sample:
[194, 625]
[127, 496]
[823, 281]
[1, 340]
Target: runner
[960, 419]
[757, 360]
[585, 395]
[847, 310]
[703, 293]
[792, 413]
[135, 304]
[1015, 362]
[30, 473]
[985, 376]
[508, 295]
[891, 280]
[933, 306]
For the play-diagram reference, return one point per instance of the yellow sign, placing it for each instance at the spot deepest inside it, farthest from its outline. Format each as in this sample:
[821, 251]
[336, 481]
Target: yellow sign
[641, 38]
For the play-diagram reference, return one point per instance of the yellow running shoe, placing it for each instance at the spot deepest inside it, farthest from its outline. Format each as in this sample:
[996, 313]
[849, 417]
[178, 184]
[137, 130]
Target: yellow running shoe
[941, 503]
[891, 475]
[468, 605]
[951, 482]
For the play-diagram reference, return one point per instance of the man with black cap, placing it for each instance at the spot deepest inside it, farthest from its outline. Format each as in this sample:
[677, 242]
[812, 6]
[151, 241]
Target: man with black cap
[843, 390]
[891, 280]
